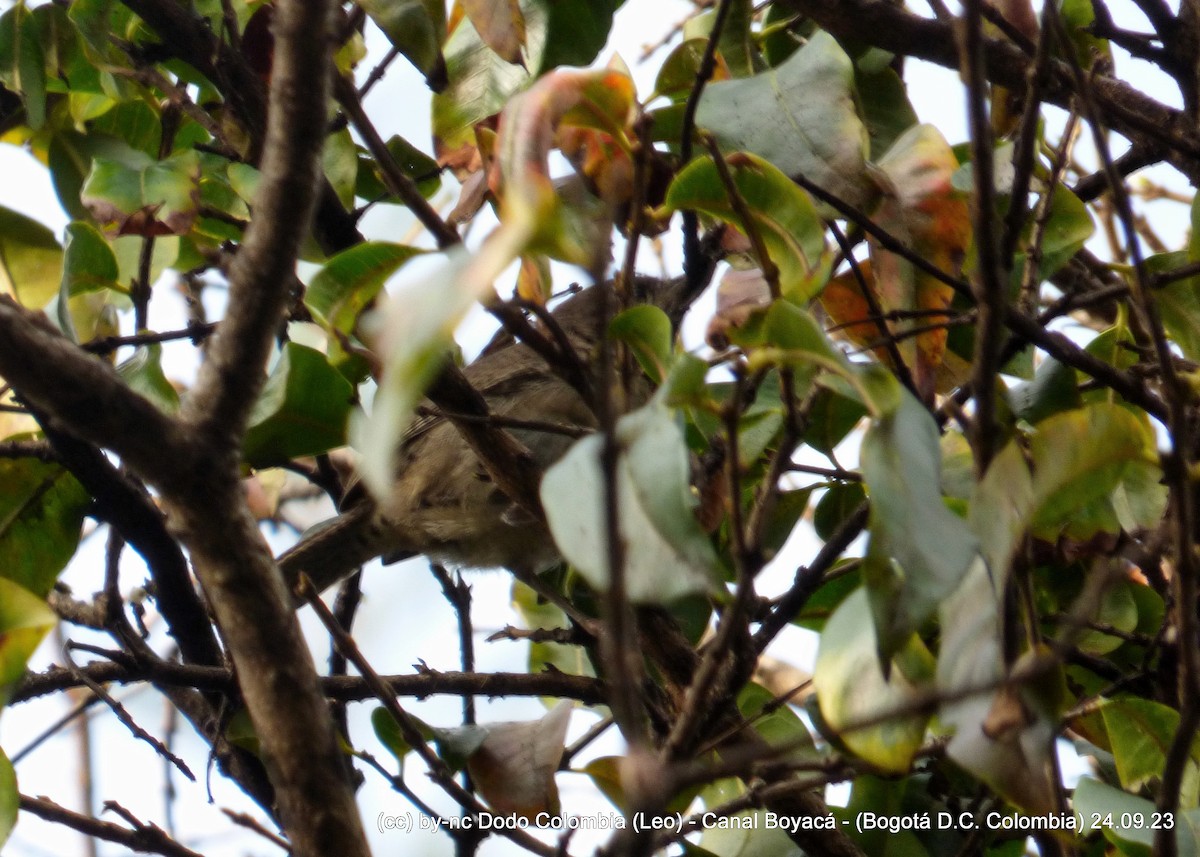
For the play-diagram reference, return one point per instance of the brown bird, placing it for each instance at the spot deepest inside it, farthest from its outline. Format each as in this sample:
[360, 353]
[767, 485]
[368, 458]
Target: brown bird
[443, 503]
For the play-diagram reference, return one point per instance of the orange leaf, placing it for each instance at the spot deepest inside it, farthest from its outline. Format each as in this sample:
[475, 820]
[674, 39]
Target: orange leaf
[843, 301]
[533, 123]
[921, 207]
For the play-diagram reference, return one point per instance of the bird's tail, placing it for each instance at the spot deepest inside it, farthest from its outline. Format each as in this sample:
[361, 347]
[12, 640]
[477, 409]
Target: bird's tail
[335, 549]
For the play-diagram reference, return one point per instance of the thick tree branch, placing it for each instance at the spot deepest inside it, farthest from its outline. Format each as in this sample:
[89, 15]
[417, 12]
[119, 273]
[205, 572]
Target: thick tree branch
[276, 675]
[1125, 109]
[85, 396]
[340, 688]
[128, 508]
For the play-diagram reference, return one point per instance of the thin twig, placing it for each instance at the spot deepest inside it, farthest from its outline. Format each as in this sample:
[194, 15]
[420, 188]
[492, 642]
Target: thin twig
[125, 718]
[145, 838]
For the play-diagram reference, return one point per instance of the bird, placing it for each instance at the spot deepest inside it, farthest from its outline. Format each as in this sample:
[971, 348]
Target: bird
[442, 502]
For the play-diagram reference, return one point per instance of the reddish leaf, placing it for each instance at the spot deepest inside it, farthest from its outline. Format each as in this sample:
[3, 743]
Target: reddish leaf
[921, 208]
[532, 124]
[848, 309]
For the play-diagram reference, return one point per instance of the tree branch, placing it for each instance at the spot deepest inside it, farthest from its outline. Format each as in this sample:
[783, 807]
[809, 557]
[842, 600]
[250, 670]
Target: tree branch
[1125, 109]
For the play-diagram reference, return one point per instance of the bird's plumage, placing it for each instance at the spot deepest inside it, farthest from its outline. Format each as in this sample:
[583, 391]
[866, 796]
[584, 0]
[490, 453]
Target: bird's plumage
[443, 503]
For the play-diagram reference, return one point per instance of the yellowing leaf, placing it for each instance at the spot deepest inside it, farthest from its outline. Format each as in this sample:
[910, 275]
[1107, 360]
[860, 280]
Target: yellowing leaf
[30, 259]
[852, 689]
[599, 101]
[921, 208]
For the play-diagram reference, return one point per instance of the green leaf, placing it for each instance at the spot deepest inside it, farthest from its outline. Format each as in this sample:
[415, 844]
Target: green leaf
[783, 518]
[889, 797]
[41, 513]
[1068, 227]
[887, 111]
[836, 505]
[814, 128]
[416, 28]
[919, 550]
[22, 62]
[744, 834]
[784, 217]
[536, 613]
[30, 260]
[481, 83]
[128, 250]
[1079, 457]
[143, 373]
[88, 261]
[303, 409]
[66, 63]
[146, 197]
[790, 334]
[1118, 610]
[830, 419]
[576, 31]
[852, 688]
[647, 331]
[98, 21]
[1118, 810]
[24, 622]
[217, 195]
[738, 44]
[89, 280]
[339, 159]
[1074, 459]
[836, 589]
[135, 123]
[1078, 17]
[244, 179]
[678, 72]
[70, 158]
[1178, 303]
[388, 733]
[778, 724]
[351, 280]
[10, 798]
[1141, 732]
[667, 554]
[413, 162]
[1052, 390]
